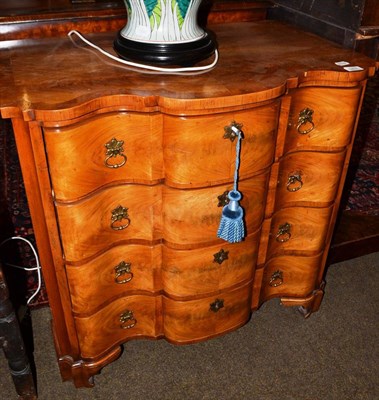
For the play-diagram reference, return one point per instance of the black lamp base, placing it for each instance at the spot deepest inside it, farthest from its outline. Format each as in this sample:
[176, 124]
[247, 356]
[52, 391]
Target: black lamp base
[183, 54]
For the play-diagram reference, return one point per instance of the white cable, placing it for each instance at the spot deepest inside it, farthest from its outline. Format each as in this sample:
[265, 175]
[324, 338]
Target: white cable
[36, 268]
[144, 66]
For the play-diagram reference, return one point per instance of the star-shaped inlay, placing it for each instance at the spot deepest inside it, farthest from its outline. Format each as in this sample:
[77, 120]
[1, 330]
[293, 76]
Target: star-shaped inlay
[221, 256]
[223, 199]
[217, 305]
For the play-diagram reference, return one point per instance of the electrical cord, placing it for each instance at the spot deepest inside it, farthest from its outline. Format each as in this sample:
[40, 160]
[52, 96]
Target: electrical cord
[145, 66]
[36, 268]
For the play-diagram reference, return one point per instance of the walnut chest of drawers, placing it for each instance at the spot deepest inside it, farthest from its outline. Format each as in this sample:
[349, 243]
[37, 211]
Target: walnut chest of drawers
[127, 172]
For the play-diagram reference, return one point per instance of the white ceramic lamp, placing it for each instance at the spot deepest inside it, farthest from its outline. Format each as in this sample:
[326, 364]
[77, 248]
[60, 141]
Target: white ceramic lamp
[164, 32]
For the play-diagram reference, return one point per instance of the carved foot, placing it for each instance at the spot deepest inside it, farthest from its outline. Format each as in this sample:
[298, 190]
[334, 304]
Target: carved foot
[82, 372]
[306, 306]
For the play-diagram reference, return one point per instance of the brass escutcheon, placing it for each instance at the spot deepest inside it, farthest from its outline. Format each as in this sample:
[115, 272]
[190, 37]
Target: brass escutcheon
[216, 305]
[223, 199]
[123, 268]
[114, 148]
[294, 182]
[305, 118]
[276, 279]
[127, 320]
[221, 256]
[232, 131]
[118, 214]
[284, 233]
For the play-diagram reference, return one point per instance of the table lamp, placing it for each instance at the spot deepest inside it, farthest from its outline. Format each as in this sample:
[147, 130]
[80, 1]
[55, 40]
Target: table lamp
[164, 32]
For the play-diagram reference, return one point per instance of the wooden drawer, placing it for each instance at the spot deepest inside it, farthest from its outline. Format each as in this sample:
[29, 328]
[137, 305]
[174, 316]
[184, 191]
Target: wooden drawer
[78, 160]
[196, 153]
[120, 270]
[187, 217]
[193, 216]
[205, 270]
[127, 269]
[334, 114]
[298, 230]
[194, 320]
[87, 228]
[309, 179]
[103, 330]
[293, 276]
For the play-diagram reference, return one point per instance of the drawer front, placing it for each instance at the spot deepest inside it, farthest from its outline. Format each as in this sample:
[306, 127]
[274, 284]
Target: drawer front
[122, 269]
[194, 320]
[117, 214]
[196, 153]
[205, 270]
[307, 178]
[187, 217]
[299, 230]
[126, 269]
[125, 318]
[290, 276]
[331, 123]
[193, 216]
[83, 157]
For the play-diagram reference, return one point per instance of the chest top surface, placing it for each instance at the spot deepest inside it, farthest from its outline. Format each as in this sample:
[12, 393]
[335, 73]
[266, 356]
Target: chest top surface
[257, 62]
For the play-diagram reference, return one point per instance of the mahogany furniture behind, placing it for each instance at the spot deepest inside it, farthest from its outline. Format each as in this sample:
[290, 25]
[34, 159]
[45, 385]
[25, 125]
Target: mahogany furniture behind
[44, 18]
[127, 172]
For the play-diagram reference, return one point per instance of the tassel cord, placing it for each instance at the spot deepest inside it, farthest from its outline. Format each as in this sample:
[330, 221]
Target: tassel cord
[238, 151]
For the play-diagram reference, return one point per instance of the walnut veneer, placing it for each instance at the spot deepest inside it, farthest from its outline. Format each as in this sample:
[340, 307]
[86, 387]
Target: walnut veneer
[159, 270]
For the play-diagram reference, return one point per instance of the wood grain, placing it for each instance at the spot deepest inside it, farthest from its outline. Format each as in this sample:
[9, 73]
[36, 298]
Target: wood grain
[334, 116]
[156, 213]
[48, 74]
[197, 154]
[309, 227]
[93, 283]
[193, 320]
[197, 273]
[299, 277]
[77, 153]
[318, 186]
[102, 331]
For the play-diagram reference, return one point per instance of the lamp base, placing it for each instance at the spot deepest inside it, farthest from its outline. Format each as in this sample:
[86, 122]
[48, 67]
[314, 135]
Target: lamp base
[183, 54]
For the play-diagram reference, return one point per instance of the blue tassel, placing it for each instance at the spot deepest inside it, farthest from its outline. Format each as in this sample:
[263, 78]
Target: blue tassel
[232, 227]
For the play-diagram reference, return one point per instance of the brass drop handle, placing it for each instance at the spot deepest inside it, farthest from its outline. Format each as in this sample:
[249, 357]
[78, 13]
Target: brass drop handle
[122, 269]
[232, 131]
[119, 214]
[294, 182]
[284, 233]
[305, 122]
[276, 279]
[114, 148]
[216, 305]
[127, 320]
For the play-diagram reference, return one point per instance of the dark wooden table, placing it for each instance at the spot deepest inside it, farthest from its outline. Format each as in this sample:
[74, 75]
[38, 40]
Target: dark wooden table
[13, 346]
